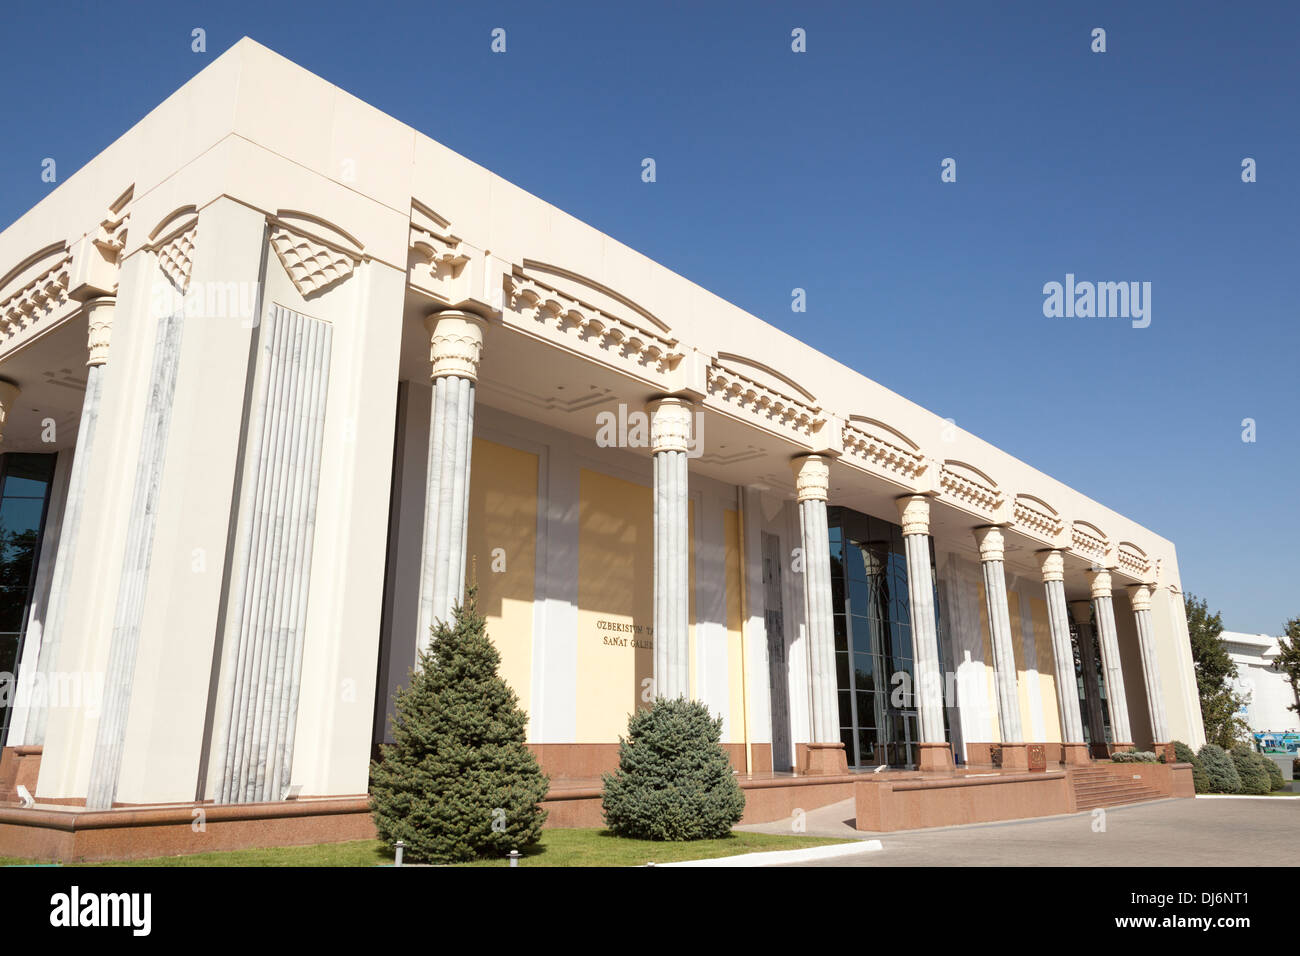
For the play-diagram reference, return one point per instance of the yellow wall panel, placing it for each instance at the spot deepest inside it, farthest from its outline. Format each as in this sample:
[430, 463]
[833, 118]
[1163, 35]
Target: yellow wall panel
[735, 629]
[987, 634]
[501, 552]
[1046, 670]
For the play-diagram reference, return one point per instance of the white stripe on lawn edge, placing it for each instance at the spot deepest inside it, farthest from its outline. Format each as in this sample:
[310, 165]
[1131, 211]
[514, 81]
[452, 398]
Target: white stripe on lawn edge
[779, 857]
[1244, 796]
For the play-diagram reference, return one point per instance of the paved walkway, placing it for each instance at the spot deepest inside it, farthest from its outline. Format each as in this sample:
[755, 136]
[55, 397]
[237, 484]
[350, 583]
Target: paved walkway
[1264, 831]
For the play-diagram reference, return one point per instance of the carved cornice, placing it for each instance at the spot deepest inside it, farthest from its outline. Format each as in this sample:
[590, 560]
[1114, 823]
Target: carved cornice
[882, 451]
[970, 489]
[592, 330]
[757, 401]
[1132, 560]
[1088, 541]
[36, 299]
[1038, 518]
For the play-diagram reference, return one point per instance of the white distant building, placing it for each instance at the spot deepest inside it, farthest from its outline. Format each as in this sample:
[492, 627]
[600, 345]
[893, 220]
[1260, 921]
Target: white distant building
[1268, 693]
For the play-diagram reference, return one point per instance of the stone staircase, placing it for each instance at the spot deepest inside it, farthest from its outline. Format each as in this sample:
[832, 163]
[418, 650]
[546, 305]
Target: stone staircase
[1101, 788]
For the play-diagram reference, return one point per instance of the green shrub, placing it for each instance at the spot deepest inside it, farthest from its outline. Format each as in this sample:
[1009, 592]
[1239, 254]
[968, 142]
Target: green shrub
[1185, 754]
[1276, 780]
[458, 781]
[1134, 756]
[674, 781]
[1254, 778]
[1219, 770]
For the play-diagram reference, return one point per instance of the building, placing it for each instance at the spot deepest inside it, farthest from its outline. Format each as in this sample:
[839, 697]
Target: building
[283, 374]
[1266, 689]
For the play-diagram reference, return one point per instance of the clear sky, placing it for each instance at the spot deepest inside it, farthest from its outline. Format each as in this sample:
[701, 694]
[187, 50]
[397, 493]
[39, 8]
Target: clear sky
[821, 170]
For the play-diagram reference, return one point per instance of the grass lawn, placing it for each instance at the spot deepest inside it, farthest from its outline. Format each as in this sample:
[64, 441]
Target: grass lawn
[590, 847]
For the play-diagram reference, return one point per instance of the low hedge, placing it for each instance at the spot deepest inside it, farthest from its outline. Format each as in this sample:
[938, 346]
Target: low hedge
[1134, 756]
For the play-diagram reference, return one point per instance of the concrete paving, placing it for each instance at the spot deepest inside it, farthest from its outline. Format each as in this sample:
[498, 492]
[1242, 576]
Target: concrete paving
[1264, 831]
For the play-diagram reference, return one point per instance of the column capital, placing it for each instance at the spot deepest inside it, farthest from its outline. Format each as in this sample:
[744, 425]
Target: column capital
[99, 328]
[1053, 563]
[914, 514]
[1140, 596]
[812, 477]
[1100, 583]
[1081, 611]
[670, 424]
[455, 343]
[991, 542]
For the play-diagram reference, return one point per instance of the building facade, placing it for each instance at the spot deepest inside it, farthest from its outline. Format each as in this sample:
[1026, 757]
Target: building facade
[282, 376]
[1267, 692]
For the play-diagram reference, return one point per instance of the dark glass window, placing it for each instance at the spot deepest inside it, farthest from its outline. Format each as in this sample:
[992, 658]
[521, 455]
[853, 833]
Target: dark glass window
[873, 629]
[24, 497]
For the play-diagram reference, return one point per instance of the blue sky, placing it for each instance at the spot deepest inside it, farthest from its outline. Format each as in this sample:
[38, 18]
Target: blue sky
[820, 170]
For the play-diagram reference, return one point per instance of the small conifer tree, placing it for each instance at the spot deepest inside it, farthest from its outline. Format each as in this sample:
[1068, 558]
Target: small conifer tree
[1185, 754]
[1220, 772]
[674, 781]
[458, 781]
[1254, 776]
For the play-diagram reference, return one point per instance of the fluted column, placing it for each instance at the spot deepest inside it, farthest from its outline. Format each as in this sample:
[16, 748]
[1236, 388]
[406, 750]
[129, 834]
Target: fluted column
[99, 313]
[1104, 610]
[914, 514]
[1014, 753]
[812, 483]
[1072, 742]
[455, 348]
[1140, 596]
[1081, 612]
[670, 432]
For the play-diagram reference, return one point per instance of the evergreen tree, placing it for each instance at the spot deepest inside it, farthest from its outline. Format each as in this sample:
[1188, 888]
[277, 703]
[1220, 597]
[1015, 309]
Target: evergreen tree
[1219, 770]
[1185, 754]
[1215, 671]
[1253, 774]
[674, 781]
[458, 781]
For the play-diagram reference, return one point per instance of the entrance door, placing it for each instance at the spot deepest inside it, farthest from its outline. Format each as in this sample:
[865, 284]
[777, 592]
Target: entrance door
[777, 672]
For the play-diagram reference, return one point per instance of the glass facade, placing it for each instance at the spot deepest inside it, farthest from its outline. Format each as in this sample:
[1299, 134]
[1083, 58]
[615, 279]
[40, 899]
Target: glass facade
[24, 497]
[873, 640]
[1091, 734]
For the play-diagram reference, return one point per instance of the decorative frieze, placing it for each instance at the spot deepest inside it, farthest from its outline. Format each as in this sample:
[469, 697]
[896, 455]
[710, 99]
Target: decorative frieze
[36, 299]
[176, 258]
[1037, 518]
[761, 401]
[593, 330]
[1131, 560]
[312, 265]
[1088, 541]
[882, 451]
[969, 488]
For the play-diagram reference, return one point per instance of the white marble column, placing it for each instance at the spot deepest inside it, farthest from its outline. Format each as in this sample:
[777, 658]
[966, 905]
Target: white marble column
[812, 484]
[99, 313]
[914, 515]
[990, 541]
[1140, 596]
[1104, 611]
[1058, 620]
[670, 432]
[133, 585]
[455, 348]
